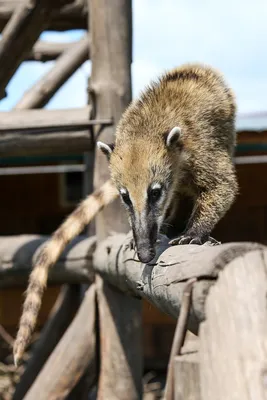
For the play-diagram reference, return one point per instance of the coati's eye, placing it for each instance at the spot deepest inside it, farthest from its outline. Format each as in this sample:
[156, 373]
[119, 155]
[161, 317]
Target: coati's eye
[125, 197]
[154, 194]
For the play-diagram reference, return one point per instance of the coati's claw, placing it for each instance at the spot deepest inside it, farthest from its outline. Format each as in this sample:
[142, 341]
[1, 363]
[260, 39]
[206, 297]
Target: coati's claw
[184, 239]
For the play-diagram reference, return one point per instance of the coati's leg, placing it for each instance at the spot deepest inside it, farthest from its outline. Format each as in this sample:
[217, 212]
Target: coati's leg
[178, 215]
[212, 202]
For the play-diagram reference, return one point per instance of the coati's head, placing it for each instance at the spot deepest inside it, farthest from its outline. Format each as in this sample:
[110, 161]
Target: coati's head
[143, 172]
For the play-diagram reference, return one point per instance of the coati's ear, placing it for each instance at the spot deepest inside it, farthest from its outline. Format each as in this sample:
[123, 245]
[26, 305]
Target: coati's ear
[106, 149]
[173, 137]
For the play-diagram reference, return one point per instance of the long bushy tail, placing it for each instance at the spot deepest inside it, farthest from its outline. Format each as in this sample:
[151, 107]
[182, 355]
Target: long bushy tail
[70, 228]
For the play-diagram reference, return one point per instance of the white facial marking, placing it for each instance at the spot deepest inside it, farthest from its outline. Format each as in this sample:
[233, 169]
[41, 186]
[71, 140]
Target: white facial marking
[156, 185]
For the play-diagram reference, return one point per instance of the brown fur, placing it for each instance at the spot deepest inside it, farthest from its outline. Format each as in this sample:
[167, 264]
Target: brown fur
[200, 168]
[73, 225]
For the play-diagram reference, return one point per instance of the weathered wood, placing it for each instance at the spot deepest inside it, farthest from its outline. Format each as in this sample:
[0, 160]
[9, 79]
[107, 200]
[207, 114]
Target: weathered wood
[187, 380]
[32, 132]
[71, 15]
[19, 35]
[17, 255]
[48, 51]
[179, 337]
[74, 352]
[42, 91]
[44, 120]
[59, 319]
[161, 283]
[233, 349]
[110, 87]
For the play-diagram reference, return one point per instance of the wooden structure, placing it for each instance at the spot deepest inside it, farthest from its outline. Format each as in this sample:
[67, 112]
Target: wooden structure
[94, 336]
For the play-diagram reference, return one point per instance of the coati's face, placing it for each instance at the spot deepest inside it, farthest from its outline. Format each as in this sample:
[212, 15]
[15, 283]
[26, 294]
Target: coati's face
[143, 174]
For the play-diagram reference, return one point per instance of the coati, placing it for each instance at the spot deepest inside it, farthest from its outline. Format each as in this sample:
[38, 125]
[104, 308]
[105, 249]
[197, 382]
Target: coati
[172, 166]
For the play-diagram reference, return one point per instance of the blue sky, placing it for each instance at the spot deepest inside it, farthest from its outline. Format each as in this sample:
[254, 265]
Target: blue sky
[230, 35]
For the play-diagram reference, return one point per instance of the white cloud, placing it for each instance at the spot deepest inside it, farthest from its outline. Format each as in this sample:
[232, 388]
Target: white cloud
[229, 35]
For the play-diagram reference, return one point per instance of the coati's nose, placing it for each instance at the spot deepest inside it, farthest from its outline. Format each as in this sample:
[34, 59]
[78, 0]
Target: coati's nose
[146, 255]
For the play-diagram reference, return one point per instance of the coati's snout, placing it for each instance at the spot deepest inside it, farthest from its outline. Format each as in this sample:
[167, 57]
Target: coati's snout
[145, 236]
[145, 254]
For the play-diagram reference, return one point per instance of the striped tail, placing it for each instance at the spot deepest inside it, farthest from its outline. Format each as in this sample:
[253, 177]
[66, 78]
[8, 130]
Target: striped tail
[70, 228]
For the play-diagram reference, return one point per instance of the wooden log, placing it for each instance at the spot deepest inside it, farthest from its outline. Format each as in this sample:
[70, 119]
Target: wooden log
[17, 255]
[44, 120]
[19, 35]
[59, 319]
[161, 283]
[42, 91]
[233, 349]
[74, 352]
[32, 132]
[187, 379]
[71, 15]
[110, 87]
[48, 51]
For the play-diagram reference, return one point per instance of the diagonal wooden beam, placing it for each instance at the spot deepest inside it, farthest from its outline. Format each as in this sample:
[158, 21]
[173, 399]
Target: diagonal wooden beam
[71, 15]
[42, 91]
[29, 19]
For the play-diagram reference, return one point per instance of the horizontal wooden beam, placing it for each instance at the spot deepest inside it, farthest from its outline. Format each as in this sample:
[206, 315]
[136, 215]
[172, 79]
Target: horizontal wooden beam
[27, 22]
[48, 51]
[161, 283]
[71, 15]
[35, 132]
[17, 254]
[46, 120]
[43, 90]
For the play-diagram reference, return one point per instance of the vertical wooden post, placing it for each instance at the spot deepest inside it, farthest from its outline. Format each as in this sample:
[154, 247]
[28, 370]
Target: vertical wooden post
[187, 381]
[233, 349]
[110, 86]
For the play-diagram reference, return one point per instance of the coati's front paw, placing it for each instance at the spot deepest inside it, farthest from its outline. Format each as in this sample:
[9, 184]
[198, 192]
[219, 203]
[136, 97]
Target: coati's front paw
[190, 239]
[186, 239]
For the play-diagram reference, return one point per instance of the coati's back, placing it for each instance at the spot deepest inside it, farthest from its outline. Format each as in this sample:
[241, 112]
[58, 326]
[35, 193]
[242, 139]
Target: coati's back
[174, 146]
[193, 96]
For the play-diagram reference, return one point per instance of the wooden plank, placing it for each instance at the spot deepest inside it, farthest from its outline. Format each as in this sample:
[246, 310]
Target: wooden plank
[19, 35]
[71, 15]
[74, 352]
[42, 91]
[110, 88]
[58, 321]
[233, 338]
[38, 132]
